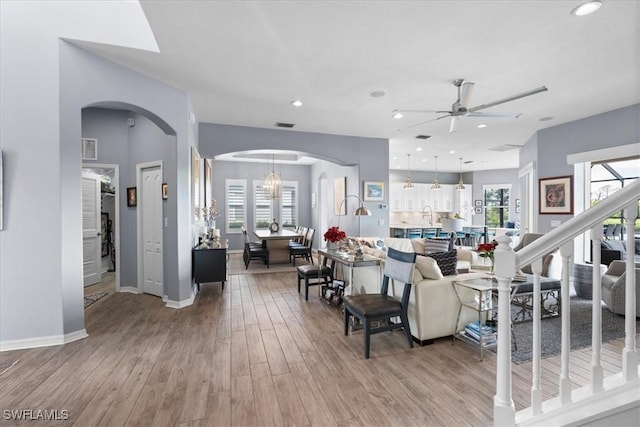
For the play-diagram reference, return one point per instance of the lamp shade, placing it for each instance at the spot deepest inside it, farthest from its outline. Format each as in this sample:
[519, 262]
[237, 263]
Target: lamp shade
[453, 224]
[361, 211]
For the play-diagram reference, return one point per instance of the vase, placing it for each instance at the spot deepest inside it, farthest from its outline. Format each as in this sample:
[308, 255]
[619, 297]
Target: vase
[332, 246]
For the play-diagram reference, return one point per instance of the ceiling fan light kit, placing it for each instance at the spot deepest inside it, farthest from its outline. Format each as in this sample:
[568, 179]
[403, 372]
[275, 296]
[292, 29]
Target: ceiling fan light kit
[460, 107]
[586, 8]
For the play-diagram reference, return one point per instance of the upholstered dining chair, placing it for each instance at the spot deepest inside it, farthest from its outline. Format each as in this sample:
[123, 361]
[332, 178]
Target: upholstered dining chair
[252, 252]
[369, 308]
[315, 275]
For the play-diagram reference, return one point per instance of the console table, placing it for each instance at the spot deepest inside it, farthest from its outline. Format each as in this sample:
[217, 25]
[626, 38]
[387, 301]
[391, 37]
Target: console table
[209, 265]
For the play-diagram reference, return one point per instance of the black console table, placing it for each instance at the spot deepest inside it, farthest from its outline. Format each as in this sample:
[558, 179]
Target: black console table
[209, 265]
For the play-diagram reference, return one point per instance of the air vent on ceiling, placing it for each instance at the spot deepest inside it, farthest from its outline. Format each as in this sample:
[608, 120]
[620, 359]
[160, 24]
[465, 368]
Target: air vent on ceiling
[284, 125]
[505, 147]
[466, 162]
[423, 136]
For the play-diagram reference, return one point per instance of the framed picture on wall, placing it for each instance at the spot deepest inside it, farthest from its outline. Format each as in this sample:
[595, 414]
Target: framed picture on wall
[132, 197]
[477, 203]
[556, 195]
[339, 193]
[478, 210]
[373, 191]
[165, 191]
[517, 209]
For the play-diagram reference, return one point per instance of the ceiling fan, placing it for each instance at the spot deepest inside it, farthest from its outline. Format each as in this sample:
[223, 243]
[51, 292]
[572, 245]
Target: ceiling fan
[460, 107]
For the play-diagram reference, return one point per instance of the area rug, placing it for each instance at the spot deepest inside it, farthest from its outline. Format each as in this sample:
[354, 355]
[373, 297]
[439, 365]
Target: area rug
[580, 329]
[90, 299]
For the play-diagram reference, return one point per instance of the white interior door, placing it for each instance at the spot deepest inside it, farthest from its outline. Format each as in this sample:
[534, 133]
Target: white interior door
[91, 230]
[151, 198]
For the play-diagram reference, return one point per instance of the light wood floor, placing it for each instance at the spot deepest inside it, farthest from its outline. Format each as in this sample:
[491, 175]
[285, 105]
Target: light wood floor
[258, 354]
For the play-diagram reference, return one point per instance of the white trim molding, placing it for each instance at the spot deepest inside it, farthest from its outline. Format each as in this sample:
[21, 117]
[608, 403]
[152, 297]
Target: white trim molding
[26, 343]
[181, 304]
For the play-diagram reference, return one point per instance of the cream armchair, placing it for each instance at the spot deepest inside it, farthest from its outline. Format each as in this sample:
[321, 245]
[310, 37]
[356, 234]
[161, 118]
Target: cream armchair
[613, 287]
[551, 262]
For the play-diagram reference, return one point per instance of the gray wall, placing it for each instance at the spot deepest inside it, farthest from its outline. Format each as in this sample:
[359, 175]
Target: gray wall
[128, 146]
[550, 148]
[45, 84]
[249, 171]
[371, 155]
[498, 176]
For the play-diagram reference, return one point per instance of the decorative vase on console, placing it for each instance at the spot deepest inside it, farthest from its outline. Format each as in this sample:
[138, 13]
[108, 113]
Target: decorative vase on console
[333, 236]
[485, 250]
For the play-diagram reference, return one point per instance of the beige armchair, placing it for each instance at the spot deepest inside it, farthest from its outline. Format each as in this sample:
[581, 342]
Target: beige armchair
[613, 287]
[550, 267]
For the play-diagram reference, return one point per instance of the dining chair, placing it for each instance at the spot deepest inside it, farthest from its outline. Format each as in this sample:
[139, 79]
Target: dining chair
[382, 308]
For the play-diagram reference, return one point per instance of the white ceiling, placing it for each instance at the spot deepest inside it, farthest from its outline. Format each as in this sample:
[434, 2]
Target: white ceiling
[242, 63]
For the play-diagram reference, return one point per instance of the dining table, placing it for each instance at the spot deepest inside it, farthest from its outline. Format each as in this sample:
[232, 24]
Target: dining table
[278, 244]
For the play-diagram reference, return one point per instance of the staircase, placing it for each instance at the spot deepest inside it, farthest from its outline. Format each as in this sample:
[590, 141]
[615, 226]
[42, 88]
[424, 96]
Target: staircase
[606, 401]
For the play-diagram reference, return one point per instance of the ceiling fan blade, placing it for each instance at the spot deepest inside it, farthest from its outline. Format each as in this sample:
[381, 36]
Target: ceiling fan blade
[503, 115]
[466, 89]
[511, 98]
[425, 122]
[418, 111]
[453, 124]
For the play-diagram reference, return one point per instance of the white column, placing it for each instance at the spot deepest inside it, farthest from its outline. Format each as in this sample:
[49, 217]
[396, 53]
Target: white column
[536, 388]
[504, 411]
[596, 314]
[629, 353]
[566, 251]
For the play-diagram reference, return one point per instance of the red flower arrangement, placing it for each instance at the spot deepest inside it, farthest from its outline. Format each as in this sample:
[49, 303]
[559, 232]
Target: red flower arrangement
[486, 250]
[334, 234]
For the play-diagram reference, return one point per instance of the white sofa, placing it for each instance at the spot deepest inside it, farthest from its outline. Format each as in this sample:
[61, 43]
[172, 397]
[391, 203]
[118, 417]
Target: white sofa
[433, 305]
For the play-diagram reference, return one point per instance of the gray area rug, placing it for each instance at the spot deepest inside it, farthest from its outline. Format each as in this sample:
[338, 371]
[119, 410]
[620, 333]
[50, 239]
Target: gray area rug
[612, 328]
[90, 299]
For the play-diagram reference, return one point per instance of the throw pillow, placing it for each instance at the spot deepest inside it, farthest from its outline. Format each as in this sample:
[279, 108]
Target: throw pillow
[428, 267]
[446, 261]
[379, 244]
[436, 245]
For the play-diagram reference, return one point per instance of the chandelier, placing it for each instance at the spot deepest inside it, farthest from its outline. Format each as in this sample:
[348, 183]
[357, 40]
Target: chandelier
[272, 183]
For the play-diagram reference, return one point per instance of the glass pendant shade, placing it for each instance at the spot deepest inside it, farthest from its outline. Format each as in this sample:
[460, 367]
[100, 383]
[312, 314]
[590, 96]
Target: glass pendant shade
[408, 185]
[460, 185]
[436, 184]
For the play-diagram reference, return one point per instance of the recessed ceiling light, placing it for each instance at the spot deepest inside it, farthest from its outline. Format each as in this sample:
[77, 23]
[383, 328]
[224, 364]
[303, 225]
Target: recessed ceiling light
[296, 103]
[452, 152]
[482, 125]
[419, 149]
[586, 8]
[546, 118]
[395, 157]
[377, 93]
[397, 115]
[424, 160]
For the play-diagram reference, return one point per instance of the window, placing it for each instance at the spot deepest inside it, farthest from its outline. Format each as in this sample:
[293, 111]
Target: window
[289, 206]
[236, 195]
[263, 212]
[496, 201]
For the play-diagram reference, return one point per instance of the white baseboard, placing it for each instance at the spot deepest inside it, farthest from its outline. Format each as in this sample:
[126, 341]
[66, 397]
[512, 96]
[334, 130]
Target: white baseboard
[26, 343]
[183, 303]
[129, 289]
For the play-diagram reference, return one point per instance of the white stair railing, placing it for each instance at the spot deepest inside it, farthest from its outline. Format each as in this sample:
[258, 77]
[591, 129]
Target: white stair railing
[507, 262]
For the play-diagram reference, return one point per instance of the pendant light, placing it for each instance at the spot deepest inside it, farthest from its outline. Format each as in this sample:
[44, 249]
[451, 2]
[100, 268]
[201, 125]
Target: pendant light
[460, 185]
[272, 182]
[436, 184]
[408, 185]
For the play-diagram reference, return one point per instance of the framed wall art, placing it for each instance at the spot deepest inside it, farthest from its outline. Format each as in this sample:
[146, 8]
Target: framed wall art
[339, 193]
[373, 191]
[165, 191]
[477, 203]
[132, 197]
[478, 210]
[556, 195]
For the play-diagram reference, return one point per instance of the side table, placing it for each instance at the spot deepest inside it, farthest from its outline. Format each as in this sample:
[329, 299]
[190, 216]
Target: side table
[475, 294]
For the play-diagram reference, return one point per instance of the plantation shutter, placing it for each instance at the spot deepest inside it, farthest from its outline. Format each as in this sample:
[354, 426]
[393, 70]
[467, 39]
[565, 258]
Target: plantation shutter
[263, 206]
[236, 195]
[289, 207]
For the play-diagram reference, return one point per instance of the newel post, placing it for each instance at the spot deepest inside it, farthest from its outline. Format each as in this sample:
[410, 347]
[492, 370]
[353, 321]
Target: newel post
[504, 412]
